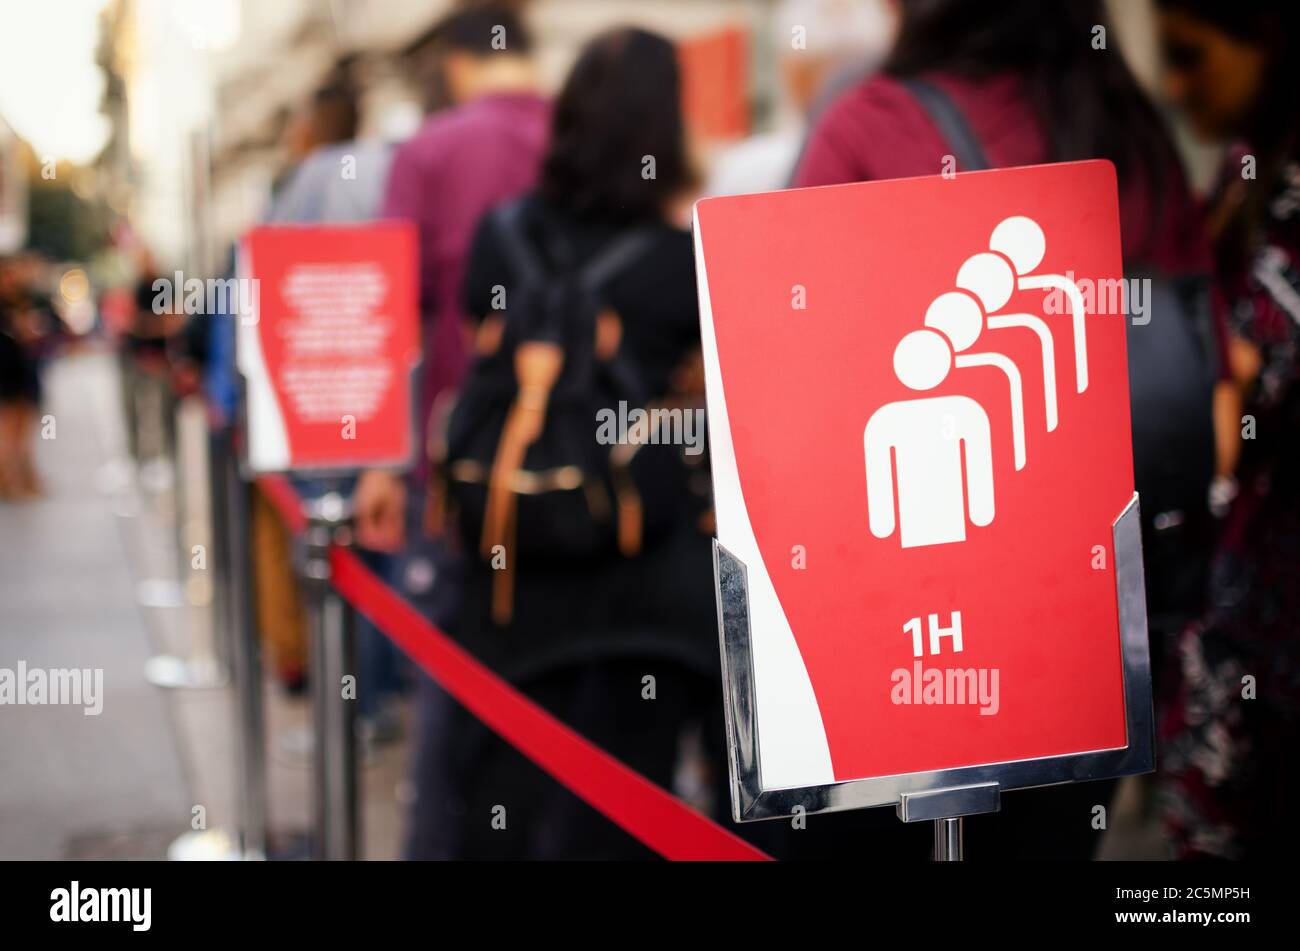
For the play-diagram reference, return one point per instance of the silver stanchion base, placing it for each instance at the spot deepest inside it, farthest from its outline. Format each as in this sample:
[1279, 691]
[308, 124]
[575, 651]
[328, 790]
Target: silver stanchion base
[160, 593]
[178, 673]
[204, 845]
[222, 845]
[297, 746]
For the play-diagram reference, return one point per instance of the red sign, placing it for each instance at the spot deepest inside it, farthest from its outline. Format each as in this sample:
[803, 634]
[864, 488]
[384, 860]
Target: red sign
[328, 345]
[920, 436]
[715, 84]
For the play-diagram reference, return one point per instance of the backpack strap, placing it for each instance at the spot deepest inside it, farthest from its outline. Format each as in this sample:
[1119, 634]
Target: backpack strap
[518, 248]
[617, 367]
[951, 122]
[537, 367]
[616, 256]
[524, 258]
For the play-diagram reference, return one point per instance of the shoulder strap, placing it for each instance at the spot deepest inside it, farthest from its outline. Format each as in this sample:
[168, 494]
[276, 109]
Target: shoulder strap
[523, 257]
[951, 123]
[615, 256]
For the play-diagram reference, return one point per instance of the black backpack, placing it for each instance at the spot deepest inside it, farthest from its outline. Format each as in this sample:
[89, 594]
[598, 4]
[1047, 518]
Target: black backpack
[521, 469]
[1172, 370]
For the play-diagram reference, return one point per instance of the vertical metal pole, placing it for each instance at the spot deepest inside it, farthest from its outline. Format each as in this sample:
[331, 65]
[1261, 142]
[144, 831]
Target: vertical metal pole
[207, 665]
[947, 840]
[219, 450]
[218, 843]
[247, 662]
[333, 655]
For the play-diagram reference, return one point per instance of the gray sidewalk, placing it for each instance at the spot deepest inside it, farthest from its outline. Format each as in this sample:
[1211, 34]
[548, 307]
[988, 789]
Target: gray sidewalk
[71, 783]
[86, 576]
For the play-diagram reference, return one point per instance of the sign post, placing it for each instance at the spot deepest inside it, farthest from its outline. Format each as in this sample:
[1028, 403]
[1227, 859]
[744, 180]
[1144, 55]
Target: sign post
[333, 649]
[328, 345]
[928, 558]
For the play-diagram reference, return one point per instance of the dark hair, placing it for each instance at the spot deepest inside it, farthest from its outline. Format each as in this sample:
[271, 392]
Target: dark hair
[334, 113]
[620, 105]
[476, 29]
[1089, 103]
[1255, 21]
[1274, 126]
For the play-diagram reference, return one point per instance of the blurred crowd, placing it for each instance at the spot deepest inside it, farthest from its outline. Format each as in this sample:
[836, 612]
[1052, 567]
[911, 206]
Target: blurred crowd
[29, 332]
[505, 183]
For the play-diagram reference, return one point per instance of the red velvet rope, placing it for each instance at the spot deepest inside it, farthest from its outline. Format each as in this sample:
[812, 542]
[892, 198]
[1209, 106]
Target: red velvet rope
[653, 816]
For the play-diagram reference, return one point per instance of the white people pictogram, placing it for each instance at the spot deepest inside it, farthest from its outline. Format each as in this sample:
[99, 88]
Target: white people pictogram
[959, 317]
[930, 459]
[992, 280]
[1022, 242]
[940, 448]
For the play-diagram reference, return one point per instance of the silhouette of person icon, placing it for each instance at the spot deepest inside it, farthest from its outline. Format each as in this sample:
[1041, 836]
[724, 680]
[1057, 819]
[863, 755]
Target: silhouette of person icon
[959, 317]
[1021, 241]
[932, 456]
[991, 278]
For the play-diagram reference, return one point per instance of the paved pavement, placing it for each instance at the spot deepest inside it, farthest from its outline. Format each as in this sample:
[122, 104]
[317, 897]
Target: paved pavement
[90, 577]
[68, 599]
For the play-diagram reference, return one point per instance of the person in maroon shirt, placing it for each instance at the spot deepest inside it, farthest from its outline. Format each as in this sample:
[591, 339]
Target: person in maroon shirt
[483, 150]
[486, 148]
[1032, 89]
[1034, 82]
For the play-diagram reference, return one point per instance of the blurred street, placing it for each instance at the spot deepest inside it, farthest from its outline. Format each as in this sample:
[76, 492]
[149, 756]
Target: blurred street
[403, 401]
[90, 575]
[69, 571]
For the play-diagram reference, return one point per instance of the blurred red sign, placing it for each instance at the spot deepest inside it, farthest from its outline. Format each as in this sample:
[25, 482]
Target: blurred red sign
[327, 345]
[919, 423]
[715, 95]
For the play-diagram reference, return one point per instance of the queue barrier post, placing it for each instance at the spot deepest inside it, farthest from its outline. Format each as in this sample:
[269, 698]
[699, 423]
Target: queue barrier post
[208, 663]
[219, 449]
[227, 523]
[332, 626]
[246, 658]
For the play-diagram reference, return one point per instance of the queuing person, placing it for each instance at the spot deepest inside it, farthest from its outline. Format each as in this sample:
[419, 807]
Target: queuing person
[1028, 85]
[313, 188]
[484, 148]
[463, 160]
[25, 322]
[145, 367]
[823, 46]
[337, 177]
[340, 179]
[584, 635]
[1230, 747]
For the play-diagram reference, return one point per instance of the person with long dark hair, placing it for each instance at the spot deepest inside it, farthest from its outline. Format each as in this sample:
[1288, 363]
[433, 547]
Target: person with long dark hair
[1230, 743]
[1033, 85]
[619, 643]
[1025, 82]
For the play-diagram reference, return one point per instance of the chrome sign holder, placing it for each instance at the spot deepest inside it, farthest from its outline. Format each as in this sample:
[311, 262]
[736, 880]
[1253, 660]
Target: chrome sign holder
[942, 796]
